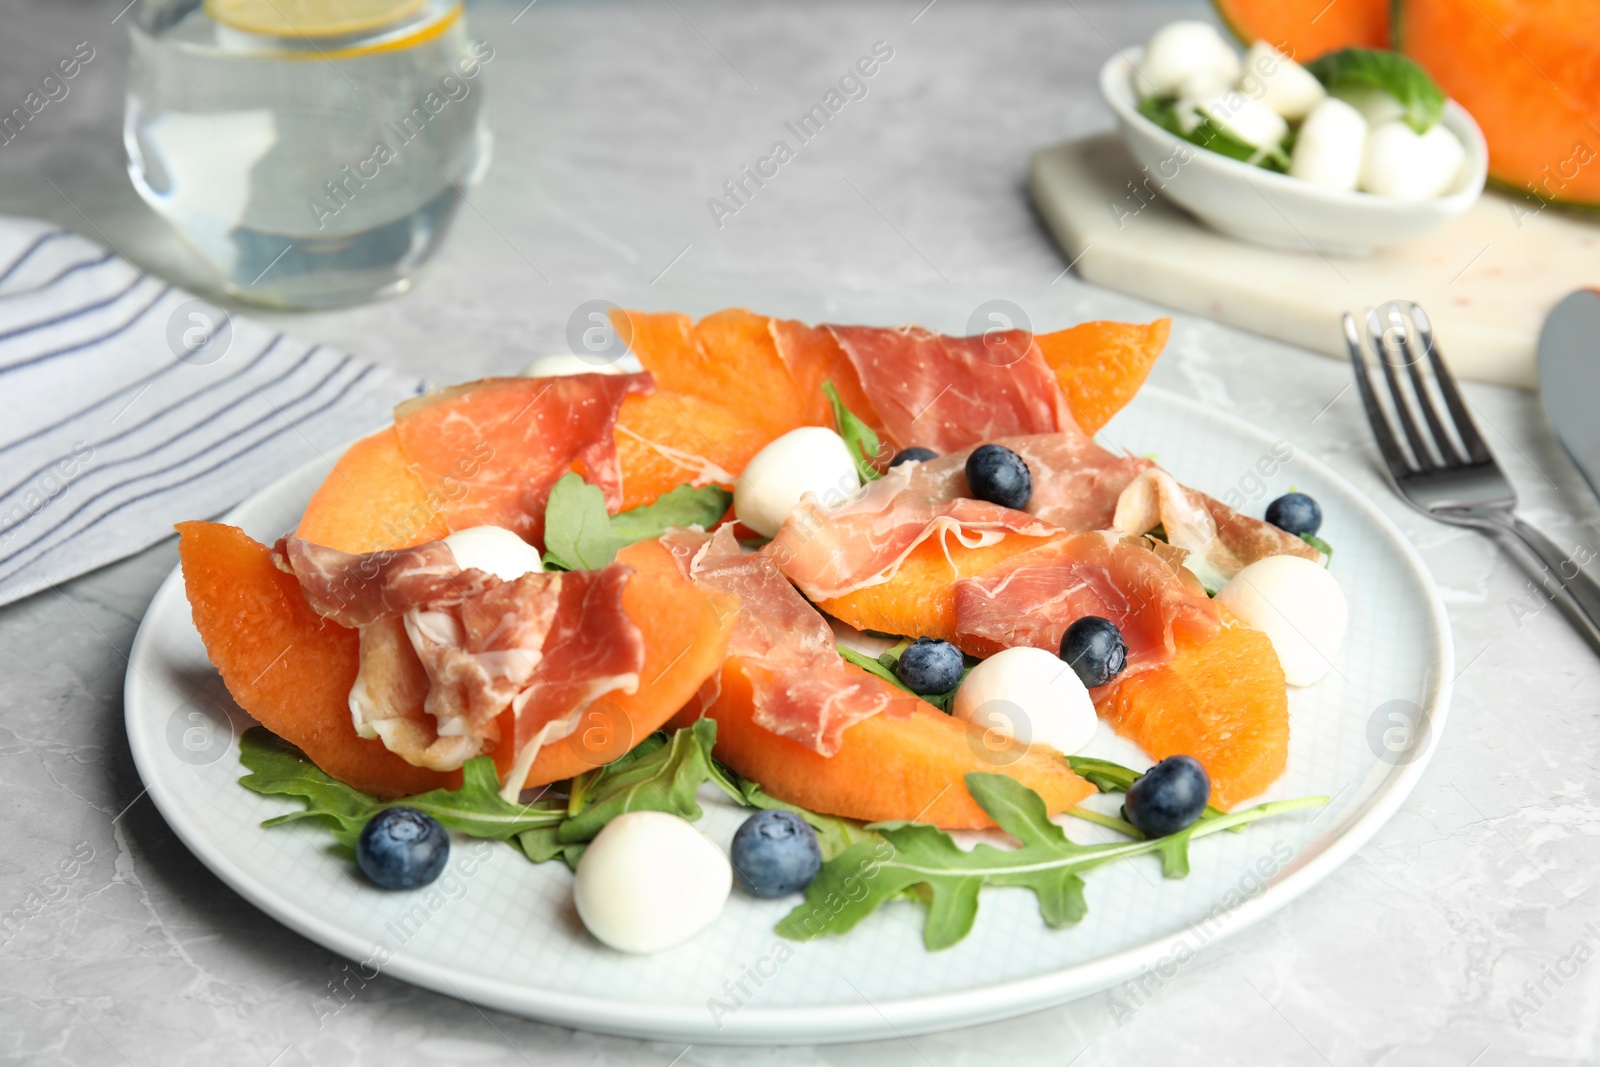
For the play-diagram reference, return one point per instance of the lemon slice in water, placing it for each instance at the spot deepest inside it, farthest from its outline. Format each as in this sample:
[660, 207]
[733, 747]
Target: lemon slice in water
[310, 18]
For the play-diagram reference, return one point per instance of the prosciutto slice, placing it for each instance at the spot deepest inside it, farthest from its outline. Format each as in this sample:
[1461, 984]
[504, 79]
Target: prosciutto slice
[450, 658]
[863, 542]
[1219, 541]
[801, 688]
[948, 393]
[1031, 598]
[490, 450]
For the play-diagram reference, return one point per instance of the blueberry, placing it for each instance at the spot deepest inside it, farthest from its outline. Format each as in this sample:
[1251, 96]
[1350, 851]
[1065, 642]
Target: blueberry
[1168, 797]
[913, 455]
[1093, 647]
[401, 848]
[928, 666]
[775, 853]
[1295, 513]
[999, 475]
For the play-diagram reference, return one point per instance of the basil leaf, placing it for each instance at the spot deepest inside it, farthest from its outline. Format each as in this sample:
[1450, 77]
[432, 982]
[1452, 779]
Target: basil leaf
[683, 506]
[577, 528]
[476, 809]
[1390, 72]
[862, 440]
[853, 884]
[1164, 113]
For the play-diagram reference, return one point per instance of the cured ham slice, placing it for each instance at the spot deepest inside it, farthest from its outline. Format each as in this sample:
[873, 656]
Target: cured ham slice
[948, 393]
[801, 688]
[489, 451]
[1219, 541]
[451, 659]
[1031, 598]
[830, 553]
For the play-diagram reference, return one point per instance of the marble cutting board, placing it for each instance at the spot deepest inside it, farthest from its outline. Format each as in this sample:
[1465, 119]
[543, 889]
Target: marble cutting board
[1487, 280]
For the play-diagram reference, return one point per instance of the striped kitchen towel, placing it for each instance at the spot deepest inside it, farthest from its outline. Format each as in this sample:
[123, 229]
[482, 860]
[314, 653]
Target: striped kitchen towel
[127, 405]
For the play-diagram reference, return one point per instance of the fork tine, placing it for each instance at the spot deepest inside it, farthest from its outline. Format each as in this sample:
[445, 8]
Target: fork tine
[1397, 312]
[1466, 429]
[1380, 346]
[1393, 454]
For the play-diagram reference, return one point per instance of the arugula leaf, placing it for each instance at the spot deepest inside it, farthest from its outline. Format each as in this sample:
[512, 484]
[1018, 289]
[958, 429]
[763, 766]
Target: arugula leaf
[853, 884]
[683, 506]
[1206, 134]
[884, 667]
[862, 440]
[1321, 546]
[477, 809]
[834, 834]
[663, 778]
[1357, 69]
[1111, 777]
[577, 528]
[872, 665]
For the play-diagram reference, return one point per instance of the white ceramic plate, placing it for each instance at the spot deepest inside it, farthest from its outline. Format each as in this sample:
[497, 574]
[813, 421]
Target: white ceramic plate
[502, 932]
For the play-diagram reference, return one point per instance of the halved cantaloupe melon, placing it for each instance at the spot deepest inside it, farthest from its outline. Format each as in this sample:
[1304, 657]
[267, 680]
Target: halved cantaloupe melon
[1529, 73]
[1305, 29]
[292, 670]
[1224, 702]
[909, 768]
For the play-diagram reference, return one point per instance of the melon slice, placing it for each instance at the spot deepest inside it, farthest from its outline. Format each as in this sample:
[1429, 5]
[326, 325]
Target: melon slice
[1224, 702]
[292, 670]
[371, 500]
[909, 768]
[1529, 72]
[1305, 29]
[285, 665]
[1101, 365]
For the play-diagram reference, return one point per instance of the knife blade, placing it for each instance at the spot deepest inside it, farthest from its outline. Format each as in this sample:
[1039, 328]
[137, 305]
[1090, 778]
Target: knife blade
[1569, 379]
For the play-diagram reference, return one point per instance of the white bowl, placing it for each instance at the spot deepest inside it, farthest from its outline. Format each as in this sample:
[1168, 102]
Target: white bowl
[1274, 209]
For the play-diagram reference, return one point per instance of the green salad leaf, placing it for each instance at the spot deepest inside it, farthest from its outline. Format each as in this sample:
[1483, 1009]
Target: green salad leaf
[1111, 777]
[1353, 70]
[661, 773]
[477, 809]
[577, 527]
[861, 438]
[883, 666]
[1164, 113]
[1321, 546]
[834, 834]
[683, 506]
[580, 535]
[854, 883]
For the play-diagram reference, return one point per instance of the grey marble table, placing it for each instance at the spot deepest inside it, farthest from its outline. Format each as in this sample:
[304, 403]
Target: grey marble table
[1463, 934]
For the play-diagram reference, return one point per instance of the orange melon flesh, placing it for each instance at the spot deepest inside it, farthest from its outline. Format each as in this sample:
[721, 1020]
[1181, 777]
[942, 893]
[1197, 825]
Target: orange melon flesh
[371, 500]
[285, 665]
[1305, 29]
[919, 601]
[910, 768]
[686, 630]
[292, 670]
[1529, 72]
[1101, 365]
[665, 440]
[1224, 702]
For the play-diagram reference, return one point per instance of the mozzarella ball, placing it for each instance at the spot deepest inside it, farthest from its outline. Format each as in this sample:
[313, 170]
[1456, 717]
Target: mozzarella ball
[1202, 86]
[566, 364]
[1329, 150]
[1279, 82]
[1243, 119]
[1375, 105]
[812, 459]
[496, 550]
[1031, 695]
[1298, 605]
[649, 881]
[1406, 165]
[1180, 50]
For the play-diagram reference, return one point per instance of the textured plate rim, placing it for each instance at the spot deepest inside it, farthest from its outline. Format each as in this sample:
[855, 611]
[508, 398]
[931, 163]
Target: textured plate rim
[826, 1024]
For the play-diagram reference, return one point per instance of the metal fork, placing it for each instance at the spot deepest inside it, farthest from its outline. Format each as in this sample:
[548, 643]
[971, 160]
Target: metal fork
[1444, 469]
